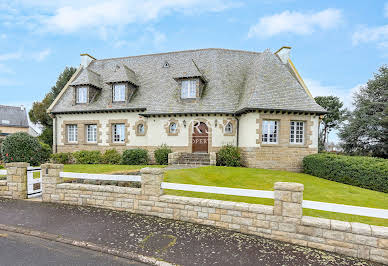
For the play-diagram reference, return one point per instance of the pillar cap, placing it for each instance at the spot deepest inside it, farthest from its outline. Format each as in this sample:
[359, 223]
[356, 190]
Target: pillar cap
[289, 186]
[17, 164]
[52, 165]
[152, 170]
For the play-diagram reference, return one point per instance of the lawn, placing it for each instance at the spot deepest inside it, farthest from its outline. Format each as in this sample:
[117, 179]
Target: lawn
[104, 168]
[316, 189]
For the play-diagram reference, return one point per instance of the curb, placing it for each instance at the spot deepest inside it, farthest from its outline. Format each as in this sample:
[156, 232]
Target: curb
[84, 244]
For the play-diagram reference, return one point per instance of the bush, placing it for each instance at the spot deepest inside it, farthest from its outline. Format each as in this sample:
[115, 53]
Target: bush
[161, 154]
[360, 171]
[111, 157]
[62, 157]
[46, 152]
[87, 157]
[229, 155]
[21, 147]
[135, 157]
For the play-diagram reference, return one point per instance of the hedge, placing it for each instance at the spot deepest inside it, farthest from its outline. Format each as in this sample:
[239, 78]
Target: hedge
[111, 157]
[229, 155]
[135, 157]
[161, 154]
[365, 172]
[87, 157]
[62, 157]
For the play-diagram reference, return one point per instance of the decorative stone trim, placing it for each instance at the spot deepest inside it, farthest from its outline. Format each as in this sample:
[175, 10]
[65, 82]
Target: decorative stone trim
[167, 127]
[110, 131]
[225, 122]
[135, 128]
[99, 131]
[80, 128]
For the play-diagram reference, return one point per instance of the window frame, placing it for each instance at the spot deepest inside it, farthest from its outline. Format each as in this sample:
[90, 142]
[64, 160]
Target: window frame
[228, 131]
[74, 133]
[266, 130]
[138, 131]
[93, 134]
[295, 132]
[170, 126]
[85, 96]
[124, 99]
[189, 92]
[114, 131]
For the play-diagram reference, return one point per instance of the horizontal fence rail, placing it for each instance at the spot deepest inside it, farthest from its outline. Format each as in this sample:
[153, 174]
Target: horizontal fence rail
[348, 209]
[124, 178]
[3, 172]
[308, 204]
[220, 190]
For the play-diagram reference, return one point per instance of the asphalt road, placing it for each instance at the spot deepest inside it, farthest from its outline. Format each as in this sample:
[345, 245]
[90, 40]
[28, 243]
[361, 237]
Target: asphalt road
[17, 249]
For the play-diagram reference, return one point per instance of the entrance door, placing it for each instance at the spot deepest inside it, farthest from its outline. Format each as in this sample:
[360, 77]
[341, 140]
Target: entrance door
[200, 138]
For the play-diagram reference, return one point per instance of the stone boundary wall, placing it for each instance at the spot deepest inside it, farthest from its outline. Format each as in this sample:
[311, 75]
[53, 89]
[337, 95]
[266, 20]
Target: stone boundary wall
[15, 187]
[284, 221]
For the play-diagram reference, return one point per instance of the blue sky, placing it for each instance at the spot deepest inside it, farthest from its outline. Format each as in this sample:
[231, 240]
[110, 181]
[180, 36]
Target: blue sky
[336, 45]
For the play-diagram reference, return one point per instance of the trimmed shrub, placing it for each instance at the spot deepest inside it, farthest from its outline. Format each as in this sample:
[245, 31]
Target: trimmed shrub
[87, 157]
[21, 147]
[111, 157]
[229, 155]
[62, 157]
[360, 171]
[135, 157]
[46, 152]
[161, 154]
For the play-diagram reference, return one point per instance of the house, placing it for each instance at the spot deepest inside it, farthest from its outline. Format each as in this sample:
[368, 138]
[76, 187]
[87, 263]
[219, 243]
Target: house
[13, 119]
[194, 101]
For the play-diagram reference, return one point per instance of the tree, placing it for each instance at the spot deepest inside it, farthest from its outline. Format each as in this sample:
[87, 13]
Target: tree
[366, 132]
[38, 113]
[332, 119]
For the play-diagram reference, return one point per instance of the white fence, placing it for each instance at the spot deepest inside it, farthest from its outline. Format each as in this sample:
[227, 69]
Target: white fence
[124, 178]
[3, 172]
[316, 205]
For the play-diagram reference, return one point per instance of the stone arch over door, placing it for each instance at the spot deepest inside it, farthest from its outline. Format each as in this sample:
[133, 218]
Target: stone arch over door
[209, 135]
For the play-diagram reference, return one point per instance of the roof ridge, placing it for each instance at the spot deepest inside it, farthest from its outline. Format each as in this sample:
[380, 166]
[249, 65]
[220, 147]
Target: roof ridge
[181, 51]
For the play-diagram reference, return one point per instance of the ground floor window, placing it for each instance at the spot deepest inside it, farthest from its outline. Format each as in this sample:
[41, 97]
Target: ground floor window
[72, 133]
[173, 127]
[91, 133]
[270, 132]
[118, 133]
[296, 132]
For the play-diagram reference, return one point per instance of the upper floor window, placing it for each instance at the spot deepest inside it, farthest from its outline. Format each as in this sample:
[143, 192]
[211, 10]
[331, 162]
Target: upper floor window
[118, 133]
[189, 89]
[82, 95]
[297, 132]
[72, 133]
[270, 132]
[229, 128]
[119, 92]
[91, 133]
[173, 127]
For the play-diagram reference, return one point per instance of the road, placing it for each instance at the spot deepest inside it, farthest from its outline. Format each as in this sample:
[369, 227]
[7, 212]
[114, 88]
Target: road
[17, 249]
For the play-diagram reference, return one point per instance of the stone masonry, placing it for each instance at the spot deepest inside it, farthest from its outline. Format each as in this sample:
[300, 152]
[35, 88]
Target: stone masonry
[15, 187]
[284, 221]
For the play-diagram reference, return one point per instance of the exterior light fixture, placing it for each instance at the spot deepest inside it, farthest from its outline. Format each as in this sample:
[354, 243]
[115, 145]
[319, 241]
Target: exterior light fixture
[184, 123]
[215, 122]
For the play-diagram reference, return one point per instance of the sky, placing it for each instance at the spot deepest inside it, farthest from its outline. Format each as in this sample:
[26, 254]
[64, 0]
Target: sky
[336, 45]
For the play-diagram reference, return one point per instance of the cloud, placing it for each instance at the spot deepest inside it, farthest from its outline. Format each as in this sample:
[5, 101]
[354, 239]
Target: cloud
[296, 23]
[10, 56]
[346, 95]
[72, 16]
[366, 34]
[40, 56]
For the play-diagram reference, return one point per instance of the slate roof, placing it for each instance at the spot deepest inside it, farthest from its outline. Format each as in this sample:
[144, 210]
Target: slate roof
[88, 77]
[235, 81]
[13, 116]
[123, 73]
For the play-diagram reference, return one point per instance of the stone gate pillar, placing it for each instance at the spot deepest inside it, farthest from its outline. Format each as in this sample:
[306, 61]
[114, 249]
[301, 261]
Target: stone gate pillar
[288, 199]
[50, 179]
[17, 179]
[151, 180]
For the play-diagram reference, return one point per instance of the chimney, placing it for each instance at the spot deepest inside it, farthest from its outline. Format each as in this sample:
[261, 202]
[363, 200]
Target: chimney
[284, 54]
[86, 59]
[22, 107]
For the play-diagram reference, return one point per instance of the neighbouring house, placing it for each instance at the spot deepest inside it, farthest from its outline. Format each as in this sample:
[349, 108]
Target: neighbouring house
[13, 119]
[194, 101]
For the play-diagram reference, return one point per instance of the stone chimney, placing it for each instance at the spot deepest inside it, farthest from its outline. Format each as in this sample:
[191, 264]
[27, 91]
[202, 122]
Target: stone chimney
[284, 54]
[22, 107]
[86, 59]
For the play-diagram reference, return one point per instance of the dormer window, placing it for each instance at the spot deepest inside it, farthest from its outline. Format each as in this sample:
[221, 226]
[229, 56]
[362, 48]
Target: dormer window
[189, 89]
[119, 92]
[82, 95]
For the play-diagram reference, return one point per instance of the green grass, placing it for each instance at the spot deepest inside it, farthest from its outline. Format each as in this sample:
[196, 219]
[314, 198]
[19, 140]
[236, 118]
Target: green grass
[316, 189]
[104, 168]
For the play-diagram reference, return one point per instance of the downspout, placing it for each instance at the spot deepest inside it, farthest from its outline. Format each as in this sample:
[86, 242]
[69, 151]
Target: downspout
[238, 131]
[55, 134]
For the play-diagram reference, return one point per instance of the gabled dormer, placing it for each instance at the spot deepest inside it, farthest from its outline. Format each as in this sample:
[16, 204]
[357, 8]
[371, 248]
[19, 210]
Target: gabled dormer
[191, 82]
[124, 84]
[86, 87]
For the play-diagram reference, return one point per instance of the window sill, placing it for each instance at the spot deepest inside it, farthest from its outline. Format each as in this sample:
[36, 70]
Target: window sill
[269, 144]
[90, 143]
[71, 143]
[118, 143]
